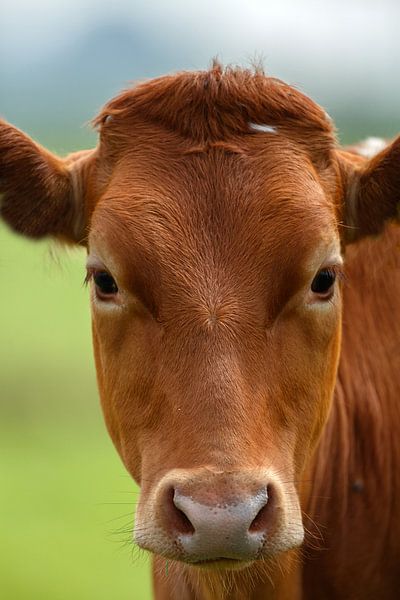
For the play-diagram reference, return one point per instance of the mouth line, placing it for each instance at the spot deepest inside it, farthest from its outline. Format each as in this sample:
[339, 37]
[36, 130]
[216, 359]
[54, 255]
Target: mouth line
[221, 563]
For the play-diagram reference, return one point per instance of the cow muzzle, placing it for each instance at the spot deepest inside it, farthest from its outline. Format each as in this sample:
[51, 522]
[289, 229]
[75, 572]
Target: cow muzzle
[207, 517]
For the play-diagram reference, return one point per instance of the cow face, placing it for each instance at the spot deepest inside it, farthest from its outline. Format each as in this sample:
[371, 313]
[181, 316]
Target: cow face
[214, 259]
[216, 315]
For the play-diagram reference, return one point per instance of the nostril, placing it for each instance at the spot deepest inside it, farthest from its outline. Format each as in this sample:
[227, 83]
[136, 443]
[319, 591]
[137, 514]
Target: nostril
[176, 519]
[263, 521]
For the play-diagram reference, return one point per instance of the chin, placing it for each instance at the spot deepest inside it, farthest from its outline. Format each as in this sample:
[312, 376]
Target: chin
[221, 564]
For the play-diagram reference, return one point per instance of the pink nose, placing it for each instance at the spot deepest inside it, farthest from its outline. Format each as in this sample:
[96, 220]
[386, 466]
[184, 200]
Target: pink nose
[217, 523]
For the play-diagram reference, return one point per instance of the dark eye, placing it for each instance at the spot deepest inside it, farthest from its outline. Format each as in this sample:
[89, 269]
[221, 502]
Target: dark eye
[105, 284]
[323, 283]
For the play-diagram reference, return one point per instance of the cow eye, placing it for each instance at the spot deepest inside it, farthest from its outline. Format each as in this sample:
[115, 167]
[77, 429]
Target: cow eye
[323, 282]
[105, 285]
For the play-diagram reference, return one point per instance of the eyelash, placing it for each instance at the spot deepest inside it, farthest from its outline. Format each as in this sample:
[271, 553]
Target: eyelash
[337, 271]
[88, 277]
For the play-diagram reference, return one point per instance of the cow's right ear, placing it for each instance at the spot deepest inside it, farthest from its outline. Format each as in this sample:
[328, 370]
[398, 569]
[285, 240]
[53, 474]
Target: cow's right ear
[40, 193]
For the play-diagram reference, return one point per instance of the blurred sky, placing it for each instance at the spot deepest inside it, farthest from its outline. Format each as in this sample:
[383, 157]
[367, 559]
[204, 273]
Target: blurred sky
[61, 60]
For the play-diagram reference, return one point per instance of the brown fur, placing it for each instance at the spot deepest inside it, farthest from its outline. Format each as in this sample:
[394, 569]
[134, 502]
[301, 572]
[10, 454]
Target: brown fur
[213, 357]
[356, 477]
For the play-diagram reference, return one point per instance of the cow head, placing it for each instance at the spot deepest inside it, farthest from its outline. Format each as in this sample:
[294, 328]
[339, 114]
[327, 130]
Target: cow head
[215, 211]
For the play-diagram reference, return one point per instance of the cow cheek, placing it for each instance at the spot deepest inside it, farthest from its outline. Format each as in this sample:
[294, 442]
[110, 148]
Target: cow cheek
[325, 373]
[123, 359]
[308, 346]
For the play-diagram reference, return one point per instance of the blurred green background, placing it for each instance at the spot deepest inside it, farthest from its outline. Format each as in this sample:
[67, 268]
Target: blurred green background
[66, 503]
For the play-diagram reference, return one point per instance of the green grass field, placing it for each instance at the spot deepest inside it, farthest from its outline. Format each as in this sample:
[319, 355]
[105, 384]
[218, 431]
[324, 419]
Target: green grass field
[66, 502]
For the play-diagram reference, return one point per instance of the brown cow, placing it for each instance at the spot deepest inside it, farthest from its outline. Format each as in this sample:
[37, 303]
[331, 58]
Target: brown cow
[217, 211]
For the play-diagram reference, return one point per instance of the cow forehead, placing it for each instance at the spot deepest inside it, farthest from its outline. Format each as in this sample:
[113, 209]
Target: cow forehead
[214, 201]
[215, 226]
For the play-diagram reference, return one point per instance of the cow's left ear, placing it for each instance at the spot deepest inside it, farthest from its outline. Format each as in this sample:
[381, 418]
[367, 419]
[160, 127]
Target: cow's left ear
[371, 191]
[42, 194]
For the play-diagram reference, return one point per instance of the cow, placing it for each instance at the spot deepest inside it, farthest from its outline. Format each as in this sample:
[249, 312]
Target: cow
[244, 278]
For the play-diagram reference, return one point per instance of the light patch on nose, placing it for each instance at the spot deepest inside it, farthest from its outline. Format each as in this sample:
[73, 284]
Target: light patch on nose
[222, 530]
[263, 128]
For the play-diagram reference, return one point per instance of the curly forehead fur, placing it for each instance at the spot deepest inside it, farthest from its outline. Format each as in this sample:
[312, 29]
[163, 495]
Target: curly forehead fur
[215, 104]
